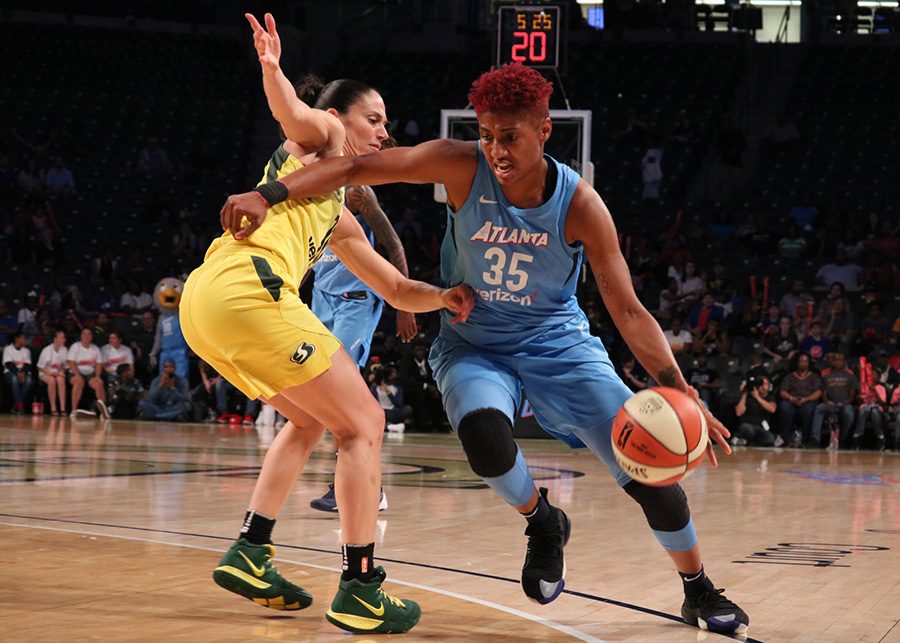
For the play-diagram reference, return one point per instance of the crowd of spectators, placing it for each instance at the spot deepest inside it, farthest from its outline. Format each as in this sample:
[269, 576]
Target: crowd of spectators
[782, 362]
[783, 317]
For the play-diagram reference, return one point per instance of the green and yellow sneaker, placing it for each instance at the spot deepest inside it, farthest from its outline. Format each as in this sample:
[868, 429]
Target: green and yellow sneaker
[246, 569]
[364, 607]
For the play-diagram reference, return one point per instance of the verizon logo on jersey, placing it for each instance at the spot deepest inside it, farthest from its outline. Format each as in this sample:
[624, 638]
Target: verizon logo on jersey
[490, 233]
[496, 294]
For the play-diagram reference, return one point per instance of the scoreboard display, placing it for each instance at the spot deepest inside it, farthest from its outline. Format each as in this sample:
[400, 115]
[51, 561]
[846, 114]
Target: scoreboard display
[529, 34]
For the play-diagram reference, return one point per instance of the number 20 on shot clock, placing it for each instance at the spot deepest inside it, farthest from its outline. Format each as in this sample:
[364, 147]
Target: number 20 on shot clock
[529, 34]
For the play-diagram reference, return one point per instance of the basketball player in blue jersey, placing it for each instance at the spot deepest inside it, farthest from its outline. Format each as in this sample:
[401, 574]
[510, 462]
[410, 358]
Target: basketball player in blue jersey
[349, 308]
[519, 225]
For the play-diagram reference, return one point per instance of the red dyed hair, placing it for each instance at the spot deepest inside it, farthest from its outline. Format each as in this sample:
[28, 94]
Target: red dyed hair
[511, 88]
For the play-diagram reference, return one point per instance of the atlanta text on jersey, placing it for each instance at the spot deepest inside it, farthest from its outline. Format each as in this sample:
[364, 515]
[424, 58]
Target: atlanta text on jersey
[490, 233]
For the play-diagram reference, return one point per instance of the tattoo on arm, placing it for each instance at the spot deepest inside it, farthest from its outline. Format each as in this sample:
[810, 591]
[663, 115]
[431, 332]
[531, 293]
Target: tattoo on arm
[668, 377]
[603, 283]
[398, 259]
[387, 237]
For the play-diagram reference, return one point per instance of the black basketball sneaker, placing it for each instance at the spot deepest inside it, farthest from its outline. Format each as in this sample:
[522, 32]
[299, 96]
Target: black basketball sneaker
[709, 609]
[544, 571]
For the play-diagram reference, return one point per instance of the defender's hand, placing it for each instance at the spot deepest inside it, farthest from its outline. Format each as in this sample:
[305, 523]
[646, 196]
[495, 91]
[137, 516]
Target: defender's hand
[460, 299]
[406, 326]
[717, 430]
[266, 41]
[242, 214]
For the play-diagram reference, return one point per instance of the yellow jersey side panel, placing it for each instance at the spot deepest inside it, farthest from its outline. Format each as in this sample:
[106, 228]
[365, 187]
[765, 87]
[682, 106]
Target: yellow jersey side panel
[294, 233]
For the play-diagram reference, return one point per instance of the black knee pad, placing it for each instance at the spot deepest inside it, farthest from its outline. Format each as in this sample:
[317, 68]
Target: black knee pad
[666, 508]
[486, 437]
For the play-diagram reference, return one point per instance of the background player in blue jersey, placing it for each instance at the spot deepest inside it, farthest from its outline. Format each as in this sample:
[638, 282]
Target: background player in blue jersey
[519, 224]
[350, 309]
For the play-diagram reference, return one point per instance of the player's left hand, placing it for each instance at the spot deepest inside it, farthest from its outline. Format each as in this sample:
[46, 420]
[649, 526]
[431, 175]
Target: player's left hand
[717, 431]
[460, 299]
[266, 41]
[242, 214]
[407, 328]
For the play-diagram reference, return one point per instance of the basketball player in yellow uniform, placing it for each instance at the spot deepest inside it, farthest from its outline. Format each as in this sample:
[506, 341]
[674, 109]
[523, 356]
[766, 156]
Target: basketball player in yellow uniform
[241, 314]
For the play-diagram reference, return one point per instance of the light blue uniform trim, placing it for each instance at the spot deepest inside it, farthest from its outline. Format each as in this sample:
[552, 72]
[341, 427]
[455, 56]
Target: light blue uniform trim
[682, 540]
[516, 486]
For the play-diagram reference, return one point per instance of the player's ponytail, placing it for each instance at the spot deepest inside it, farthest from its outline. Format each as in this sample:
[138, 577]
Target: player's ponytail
[309, 88]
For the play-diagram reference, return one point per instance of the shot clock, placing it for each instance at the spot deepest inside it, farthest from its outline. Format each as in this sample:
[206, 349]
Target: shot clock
[529, 34]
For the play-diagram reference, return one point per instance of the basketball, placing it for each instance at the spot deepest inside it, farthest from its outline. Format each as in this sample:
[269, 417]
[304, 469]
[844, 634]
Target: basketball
[659, 436]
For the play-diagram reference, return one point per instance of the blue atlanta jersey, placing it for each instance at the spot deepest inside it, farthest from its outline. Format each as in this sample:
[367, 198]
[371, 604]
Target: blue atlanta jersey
[522, 270]
[333, 277]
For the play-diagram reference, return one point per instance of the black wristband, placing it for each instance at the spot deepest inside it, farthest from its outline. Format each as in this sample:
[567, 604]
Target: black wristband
[273, 192]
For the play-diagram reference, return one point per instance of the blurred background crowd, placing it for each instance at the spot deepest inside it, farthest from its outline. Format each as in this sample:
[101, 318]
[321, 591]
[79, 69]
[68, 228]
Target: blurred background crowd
[751, 186]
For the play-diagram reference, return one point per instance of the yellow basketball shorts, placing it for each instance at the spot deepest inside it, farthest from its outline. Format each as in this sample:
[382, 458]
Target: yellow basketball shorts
[243, 320]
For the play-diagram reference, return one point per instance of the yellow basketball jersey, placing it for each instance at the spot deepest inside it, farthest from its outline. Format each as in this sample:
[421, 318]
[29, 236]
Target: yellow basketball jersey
[296, 231]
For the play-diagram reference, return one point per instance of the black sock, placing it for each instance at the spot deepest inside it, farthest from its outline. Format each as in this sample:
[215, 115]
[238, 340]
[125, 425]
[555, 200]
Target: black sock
[257, 528]
[540, 513]
[694, 584]
[358, 562]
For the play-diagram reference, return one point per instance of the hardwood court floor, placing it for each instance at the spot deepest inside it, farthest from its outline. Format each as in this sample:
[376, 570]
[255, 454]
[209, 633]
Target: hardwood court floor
[110, 533]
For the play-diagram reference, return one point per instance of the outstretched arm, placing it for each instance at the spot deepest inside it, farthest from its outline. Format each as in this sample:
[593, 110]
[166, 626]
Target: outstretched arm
[314, 129]
[353, 249]
[362, 199]
[590, 222]
[446, 161]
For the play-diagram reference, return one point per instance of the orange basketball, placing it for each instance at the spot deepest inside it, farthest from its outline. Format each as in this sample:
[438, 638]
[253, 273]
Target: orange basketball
[659, 436]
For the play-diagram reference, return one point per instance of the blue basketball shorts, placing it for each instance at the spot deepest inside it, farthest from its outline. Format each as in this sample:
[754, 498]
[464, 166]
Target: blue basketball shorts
[566, 376]
[353, 321]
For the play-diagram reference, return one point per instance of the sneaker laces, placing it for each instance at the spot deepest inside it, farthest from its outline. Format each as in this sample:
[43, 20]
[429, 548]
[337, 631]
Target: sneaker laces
[716, 599]
[544, 543]
[396, 602]
[269, 557]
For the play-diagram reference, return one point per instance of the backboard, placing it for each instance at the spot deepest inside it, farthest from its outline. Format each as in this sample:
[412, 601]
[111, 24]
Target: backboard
[570, 141]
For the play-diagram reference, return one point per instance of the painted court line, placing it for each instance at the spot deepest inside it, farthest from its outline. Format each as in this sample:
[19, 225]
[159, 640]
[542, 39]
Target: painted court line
[559, 627]
[466, 572]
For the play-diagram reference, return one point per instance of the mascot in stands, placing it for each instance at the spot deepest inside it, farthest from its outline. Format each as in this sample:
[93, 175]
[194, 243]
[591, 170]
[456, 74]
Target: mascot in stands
[169, 343]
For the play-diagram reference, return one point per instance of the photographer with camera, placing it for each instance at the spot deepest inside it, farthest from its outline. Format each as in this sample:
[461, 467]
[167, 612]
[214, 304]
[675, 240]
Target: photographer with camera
[169, 397]
[125, 393]
[754, 410]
